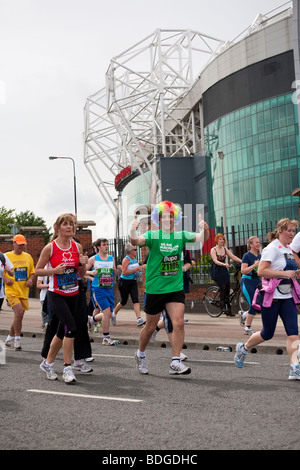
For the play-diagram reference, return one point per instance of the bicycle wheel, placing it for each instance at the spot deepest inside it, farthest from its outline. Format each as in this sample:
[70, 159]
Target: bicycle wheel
[211, 301]
[242, 302]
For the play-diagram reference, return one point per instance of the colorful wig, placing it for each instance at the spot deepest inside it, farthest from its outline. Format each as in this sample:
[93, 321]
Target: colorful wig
[166, 206]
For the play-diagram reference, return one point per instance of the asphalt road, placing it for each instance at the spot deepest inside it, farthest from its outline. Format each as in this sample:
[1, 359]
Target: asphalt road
[217, 406]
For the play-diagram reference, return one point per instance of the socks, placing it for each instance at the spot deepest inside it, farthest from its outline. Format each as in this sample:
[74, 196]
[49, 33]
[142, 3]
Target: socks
[141, 354]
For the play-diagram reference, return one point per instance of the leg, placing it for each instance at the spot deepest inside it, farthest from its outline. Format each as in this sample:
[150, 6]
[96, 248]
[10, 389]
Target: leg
[147, 330]
[16, 326]
[176, 313]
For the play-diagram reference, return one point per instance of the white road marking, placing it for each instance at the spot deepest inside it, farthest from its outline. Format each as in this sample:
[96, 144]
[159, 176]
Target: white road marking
[81, 395]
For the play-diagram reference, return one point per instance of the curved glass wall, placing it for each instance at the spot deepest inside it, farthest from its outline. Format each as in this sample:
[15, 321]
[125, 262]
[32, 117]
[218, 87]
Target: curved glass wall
[261, 164]
[136, 193]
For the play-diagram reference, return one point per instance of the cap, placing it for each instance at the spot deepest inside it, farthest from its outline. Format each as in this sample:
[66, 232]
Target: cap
[20, 239]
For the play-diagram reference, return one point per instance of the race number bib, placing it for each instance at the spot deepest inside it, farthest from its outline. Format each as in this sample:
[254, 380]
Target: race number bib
[67, 280]
[105, 277]
[20, 274]
[169, 265]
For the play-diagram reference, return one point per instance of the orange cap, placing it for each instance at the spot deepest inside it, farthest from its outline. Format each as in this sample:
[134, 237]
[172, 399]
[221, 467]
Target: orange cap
[20, 239]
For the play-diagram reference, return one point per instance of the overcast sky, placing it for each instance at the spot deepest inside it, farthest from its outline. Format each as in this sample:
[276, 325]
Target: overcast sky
[53, 55]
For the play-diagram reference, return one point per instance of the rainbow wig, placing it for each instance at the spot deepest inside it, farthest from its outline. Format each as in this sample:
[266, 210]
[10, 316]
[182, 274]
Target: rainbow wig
[166, 206]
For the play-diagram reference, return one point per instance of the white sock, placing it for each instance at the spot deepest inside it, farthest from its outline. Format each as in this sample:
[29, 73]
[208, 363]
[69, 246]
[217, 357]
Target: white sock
[141, 354]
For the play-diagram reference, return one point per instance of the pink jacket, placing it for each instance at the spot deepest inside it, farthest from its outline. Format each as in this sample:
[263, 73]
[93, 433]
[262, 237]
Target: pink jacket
[264, 295]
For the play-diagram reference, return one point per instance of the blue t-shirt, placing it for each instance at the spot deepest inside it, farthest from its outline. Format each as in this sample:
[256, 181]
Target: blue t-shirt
[249, 258]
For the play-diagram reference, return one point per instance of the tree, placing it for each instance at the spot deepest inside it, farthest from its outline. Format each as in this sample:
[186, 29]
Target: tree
[23, 219]
[7, 220]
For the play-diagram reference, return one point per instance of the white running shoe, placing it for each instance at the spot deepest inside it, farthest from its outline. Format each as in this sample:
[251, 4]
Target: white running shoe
[17, 345]
[82, 366]
[50, 372]
[113, 319]
[248, 330]
[177, 367]
[294, 373]
[110, 342]
[140, 321]
[68, 375]
[141, 364]
[183, 357]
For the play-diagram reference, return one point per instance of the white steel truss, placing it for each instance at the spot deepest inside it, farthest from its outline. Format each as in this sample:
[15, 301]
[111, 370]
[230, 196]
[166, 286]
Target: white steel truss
[133, 119]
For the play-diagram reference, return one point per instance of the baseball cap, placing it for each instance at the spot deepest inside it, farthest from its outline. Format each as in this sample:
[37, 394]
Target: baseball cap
[20, 239]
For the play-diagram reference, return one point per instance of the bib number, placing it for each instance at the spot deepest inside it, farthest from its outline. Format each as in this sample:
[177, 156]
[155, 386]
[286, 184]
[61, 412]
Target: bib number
[21, 274]
[169, 265]
[67, 280]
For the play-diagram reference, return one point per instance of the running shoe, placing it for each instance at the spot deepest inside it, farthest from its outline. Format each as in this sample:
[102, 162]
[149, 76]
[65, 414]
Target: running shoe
[110, 342]
[140, 321]
[9, 343]
[68, 375]
[294, 373]
[113, 319]
[91, 324]
[177, 367]
[49, 370]
[82, 366]
[141, 364]
[17, 345]
[242, 317]
[239, 355]
[248, 330]
[183, 357]
[153, 336]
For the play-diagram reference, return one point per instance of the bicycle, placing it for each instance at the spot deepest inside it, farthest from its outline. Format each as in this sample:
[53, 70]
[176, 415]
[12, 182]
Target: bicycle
[212, 302]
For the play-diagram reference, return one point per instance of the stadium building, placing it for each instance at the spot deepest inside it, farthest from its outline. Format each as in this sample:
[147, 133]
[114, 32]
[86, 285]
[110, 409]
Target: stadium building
[208, 122]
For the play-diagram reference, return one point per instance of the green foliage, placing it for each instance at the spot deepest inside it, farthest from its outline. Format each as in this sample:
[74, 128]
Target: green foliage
[8, 218]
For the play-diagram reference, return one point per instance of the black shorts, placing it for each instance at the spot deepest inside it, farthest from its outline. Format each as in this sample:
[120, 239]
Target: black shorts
[126, 287]
[155, 303]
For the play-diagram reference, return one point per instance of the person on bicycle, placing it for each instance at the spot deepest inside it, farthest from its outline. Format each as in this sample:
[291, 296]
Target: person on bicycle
[219, 270]
[249, 281]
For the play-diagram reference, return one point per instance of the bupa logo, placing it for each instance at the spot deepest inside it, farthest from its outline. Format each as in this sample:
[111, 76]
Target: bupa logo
[296, 94]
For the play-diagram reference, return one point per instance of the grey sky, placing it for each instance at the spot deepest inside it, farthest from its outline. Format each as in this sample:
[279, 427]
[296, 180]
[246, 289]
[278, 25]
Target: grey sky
[53, 55]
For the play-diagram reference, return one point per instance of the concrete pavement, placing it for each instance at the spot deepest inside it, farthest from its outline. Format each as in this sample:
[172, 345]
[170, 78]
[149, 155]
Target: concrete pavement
[201, 331]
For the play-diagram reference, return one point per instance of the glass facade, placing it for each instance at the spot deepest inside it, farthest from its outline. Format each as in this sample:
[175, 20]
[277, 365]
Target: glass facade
[136, 193]
[261, 164]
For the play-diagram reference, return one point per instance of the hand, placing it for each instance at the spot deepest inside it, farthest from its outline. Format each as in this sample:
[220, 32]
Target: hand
[83, 259]
[60, 269]
[29, 282]
[135, 224]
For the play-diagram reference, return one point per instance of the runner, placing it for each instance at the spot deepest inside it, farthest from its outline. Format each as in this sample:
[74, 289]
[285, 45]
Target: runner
[17, 288]
[280, 291]
[65, 261]
[102, 267]
[164, 280]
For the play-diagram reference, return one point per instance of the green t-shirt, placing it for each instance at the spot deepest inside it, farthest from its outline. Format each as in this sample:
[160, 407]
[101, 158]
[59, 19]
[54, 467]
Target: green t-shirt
[164, 265]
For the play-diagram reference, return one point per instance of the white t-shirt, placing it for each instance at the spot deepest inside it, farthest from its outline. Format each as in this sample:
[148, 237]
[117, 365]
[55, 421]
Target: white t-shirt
[9, 265]
[279, 256]
[295, 245]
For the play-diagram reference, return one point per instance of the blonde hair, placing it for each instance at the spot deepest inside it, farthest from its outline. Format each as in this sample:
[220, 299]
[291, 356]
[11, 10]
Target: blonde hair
[250, 241]
[60, 219]
[281, 226]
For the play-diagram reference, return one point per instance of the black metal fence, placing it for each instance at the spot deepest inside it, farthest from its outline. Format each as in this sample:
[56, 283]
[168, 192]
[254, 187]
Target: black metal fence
[236, 238]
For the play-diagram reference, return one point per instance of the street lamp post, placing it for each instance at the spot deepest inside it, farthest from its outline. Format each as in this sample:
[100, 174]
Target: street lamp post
[221, 156]
[75, 197]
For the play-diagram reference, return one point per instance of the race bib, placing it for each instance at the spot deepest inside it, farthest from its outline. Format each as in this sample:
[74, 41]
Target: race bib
[20, 274]
[67, 280]
[105, 277]
[169, 265]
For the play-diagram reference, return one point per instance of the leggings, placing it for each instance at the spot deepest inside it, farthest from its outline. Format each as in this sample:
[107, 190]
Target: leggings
[287, 311]
[248, 287]
[126, 287]
[64, 307]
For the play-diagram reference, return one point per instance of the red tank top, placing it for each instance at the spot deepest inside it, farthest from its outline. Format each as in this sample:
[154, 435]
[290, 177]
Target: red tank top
[66, 283]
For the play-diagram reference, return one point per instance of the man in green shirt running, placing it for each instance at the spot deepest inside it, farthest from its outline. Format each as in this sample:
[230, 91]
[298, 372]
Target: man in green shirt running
[164, 280]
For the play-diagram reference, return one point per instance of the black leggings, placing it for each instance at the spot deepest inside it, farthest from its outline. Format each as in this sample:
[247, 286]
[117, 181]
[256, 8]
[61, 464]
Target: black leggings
[126, 287]
[64, 308]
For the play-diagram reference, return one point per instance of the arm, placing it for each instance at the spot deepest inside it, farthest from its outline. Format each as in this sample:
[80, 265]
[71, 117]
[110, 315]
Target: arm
[203, 235]
[246, 269]
[232, 256]
[135, 239]
[83, 260]
[44, 260]
[264, 270]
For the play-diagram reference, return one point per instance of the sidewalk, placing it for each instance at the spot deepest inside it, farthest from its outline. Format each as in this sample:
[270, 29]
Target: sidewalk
[201, 331]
